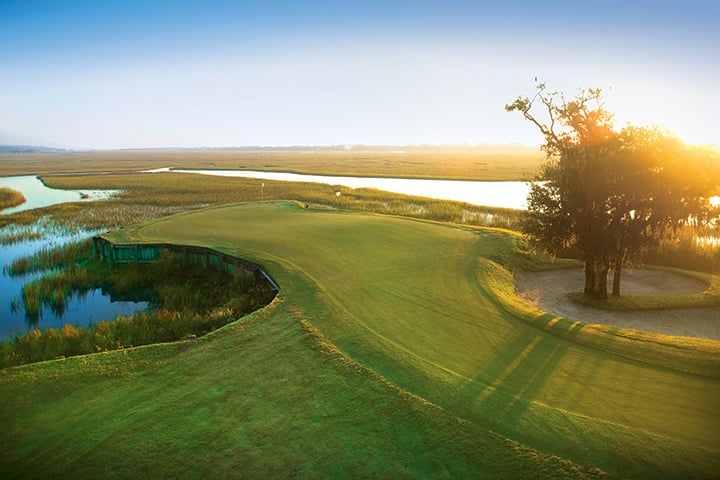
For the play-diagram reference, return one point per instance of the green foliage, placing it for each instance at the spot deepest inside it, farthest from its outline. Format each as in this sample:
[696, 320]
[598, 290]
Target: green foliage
[612, 194]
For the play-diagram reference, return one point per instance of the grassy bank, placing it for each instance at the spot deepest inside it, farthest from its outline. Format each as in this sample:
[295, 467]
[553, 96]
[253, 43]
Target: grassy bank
[428, 312]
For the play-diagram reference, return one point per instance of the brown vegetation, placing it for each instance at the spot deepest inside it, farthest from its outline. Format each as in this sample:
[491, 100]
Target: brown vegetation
[10, 198]
[490, 163]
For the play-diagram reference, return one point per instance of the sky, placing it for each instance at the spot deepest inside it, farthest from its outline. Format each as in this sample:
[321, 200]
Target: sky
[105, 74]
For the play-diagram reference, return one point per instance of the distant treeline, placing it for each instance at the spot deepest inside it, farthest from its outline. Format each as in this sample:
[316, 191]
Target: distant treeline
[30, 149]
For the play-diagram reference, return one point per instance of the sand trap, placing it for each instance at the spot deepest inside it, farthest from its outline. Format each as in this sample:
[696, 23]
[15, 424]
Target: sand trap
[548, 291]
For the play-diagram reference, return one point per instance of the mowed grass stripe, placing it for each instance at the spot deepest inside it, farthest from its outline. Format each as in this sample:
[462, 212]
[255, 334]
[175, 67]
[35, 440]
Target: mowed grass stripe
[384, 283]
[265, 397]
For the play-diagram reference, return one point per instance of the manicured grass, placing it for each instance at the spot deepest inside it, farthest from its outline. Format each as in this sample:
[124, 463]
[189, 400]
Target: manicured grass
[429, 314]
[263, 398]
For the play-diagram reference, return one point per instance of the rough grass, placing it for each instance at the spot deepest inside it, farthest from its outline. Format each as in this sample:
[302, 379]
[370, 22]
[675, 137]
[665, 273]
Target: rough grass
[431, 308]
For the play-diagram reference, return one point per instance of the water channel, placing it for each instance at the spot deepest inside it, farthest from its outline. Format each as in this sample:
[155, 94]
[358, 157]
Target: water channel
[489, 194]
[38, 195]
[80, 310]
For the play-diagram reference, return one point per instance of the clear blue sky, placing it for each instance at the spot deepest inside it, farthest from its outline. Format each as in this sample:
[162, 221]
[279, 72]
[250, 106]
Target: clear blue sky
[127, 73]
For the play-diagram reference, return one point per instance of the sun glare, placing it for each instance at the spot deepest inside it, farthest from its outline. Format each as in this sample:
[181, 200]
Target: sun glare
[715, 201]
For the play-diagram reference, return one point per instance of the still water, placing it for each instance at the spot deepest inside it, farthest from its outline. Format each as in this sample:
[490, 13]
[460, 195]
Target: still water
[490, 194]
[91, 307]
[38, 195]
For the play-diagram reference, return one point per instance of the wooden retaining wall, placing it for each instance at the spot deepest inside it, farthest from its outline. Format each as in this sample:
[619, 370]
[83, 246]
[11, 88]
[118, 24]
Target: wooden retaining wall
[189, 255]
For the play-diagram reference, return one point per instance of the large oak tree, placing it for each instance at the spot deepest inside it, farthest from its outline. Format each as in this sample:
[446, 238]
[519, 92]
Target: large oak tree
[612, 194]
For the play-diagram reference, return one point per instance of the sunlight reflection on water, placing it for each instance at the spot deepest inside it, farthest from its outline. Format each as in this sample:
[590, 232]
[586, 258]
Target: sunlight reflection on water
[490, 194]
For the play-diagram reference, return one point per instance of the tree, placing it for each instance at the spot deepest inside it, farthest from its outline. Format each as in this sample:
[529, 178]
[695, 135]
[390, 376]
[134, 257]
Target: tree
[610, 194]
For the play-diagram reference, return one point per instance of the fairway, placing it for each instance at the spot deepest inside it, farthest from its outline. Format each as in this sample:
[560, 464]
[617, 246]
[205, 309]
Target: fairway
[420, 305]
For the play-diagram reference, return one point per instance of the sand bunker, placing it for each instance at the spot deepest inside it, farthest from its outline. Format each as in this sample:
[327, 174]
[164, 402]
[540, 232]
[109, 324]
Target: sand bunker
[548, 291]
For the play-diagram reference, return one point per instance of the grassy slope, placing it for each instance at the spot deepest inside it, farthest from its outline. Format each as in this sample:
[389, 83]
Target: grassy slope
[416, 302]
[262, 398]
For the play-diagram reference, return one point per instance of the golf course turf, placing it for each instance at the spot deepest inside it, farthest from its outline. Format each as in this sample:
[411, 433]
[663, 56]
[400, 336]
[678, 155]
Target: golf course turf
[395, 348]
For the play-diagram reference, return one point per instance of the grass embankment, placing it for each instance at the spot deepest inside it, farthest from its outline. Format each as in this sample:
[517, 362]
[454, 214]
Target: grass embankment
[425, 306]
[488, 163]
[263, 398]
[10, 198]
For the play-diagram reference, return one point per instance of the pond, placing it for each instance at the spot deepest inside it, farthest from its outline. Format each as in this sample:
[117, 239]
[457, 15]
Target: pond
[489, 194]
[38, 195]
[92, 307]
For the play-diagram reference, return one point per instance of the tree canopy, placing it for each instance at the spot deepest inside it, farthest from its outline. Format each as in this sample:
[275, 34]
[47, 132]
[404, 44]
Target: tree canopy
[612, 194]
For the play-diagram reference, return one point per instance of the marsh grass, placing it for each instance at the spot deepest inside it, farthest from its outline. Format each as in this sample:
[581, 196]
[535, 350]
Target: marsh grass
[54, 290]
[149, 196]
[10, 198]
[49, 258]
[188, 300]
[484, 163]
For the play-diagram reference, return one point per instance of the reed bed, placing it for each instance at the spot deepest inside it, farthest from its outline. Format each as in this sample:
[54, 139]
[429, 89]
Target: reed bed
[48, 258]
[147, 196]
[189, 301]
[10, 198]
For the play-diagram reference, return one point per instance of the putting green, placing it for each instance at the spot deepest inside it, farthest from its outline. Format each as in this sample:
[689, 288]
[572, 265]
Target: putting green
[409, 299]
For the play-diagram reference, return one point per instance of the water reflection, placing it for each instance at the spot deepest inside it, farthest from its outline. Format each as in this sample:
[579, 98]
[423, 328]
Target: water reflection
[38, 195]
[489, 194]
[82, 309]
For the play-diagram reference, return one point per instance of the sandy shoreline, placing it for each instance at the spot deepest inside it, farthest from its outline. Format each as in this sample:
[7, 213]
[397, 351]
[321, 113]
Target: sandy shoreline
[548, 290]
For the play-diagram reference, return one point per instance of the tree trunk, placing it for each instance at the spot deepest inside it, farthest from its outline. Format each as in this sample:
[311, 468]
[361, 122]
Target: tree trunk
[601, 282]
[596, 279]
[617, 273]
[589, 276]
